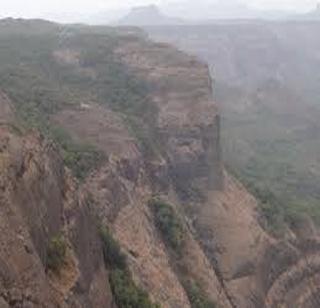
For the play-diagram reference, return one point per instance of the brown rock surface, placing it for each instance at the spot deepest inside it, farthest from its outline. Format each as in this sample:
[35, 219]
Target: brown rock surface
[37, 203]
[6, 112]
[121, 189]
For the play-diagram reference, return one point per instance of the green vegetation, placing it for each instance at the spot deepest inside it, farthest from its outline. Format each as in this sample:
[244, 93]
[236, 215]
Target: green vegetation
[197, 298]
[145, 133]
[168, 223]
[126, 293]
[273, 212]
[276, 155]
[113, 257]
[56, 253]
[279, 210]
[41, 84]
[81, 158]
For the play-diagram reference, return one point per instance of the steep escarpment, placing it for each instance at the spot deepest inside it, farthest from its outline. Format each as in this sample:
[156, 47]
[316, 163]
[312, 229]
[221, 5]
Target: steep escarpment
[265, 83]
[122, 198]
[269, 113]
[188, 122]
[146, 126]
[220, 214]
[39, 202]
[188, 158]
[186, 171]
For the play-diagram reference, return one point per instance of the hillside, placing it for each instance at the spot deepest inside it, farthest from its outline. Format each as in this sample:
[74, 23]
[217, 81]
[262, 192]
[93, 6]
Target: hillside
[112, 187]
[266, 85]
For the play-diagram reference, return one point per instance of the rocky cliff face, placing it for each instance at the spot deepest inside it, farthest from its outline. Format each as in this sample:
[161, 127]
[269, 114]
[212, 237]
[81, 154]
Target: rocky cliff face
[187, 124]
[39, 200]
[224, 254]
[265, 84]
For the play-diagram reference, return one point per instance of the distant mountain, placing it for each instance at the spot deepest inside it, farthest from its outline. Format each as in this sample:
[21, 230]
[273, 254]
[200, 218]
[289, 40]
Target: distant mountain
[209, 9]
[180, 13]
[202, 12]
[175, 13]
[106, 17]
[148, 15]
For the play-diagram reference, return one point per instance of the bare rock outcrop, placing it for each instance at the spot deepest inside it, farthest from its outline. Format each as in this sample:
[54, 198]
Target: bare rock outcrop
[39, 200]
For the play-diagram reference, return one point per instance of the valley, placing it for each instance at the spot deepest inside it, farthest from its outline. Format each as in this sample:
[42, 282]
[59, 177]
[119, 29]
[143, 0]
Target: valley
[265, 81]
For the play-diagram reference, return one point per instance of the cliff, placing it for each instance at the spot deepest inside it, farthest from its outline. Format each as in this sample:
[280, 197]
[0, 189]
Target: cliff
[130, 146]
[39, 200]
[187, 124]
[267, 94]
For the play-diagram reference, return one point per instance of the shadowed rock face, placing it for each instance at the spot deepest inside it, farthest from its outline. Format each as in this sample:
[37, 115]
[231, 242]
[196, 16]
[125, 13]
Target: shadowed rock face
[188, 123]
[196, 155]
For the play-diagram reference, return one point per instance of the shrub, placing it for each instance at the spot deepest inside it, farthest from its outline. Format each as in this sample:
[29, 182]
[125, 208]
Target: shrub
[113, 257]
[197, 298]
[56, 253]
[81, 158]
[168, 223]
[126, 293]
[144, 132]
[124, 290]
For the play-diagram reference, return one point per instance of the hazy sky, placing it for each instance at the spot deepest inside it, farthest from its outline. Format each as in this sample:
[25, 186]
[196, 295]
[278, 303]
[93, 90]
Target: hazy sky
[38, 7]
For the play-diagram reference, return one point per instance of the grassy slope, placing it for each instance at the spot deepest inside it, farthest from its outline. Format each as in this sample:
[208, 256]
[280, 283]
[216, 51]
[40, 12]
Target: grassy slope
[40, 85]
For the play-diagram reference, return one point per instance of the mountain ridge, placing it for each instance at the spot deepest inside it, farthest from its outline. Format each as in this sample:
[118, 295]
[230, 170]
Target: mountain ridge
[148, 15]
